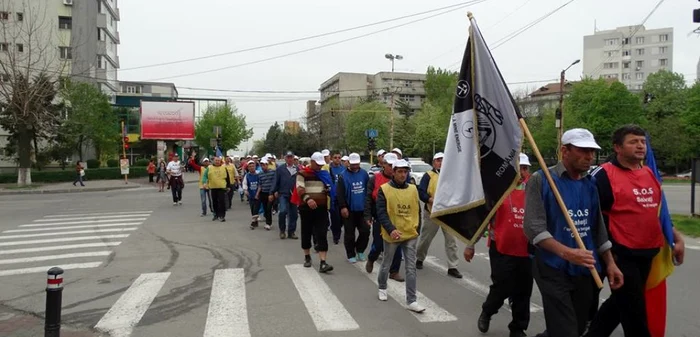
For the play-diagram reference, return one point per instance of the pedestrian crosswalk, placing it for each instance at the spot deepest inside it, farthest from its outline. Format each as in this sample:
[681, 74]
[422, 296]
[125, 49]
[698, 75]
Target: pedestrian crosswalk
[71, 240]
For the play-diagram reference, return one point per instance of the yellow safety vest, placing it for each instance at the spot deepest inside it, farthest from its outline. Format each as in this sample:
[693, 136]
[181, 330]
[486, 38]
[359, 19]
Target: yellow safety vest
[216, 176]
[403, 208]
[202, 169]
[231, 172]
[432, 186]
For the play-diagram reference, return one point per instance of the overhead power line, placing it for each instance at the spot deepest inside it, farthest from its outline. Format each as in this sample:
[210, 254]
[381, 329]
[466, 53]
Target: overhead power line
[321, 46]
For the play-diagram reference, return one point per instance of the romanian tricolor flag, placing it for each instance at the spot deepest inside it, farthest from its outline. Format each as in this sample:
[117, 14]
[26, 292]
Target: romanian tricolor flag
[662, 266]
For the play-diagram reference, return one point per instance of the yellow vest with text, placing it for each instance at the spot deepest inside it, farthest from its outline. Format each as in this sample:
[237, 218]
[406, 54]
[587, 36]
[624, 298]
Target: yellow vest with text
[216, 176]
[202, 169]
[403, 207]
[432, 186]
[231, 172]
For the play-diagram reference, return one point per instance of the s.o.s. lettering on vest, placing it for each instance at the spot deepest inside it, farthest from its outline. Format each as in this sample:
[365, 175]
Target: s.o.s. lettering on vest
[403, 209]
[645, 197]
[358, 187]
[580, 219]
[518, 216]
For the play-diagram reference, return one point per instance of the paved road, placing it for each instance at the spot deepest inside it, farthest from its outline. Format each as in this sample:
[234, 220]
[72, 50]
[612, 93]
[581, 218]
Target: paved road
[142, 267]
[678, 197]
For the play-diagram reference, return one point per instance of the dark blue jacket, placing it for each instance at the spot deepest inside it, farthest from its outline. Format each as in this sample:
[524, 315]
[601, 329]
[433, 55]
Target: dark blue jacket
[284, 181]
[352, 190]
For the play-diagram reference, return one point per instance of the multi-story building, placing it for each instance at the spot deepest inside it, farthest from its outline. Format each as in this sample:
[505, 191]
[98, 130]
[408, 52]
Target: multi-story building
[628, 54]
[342, 91]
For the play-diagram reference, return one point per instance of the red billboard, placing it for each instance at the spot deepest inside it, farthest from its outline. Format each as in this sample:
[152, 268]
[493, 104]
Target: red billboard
[167, 120]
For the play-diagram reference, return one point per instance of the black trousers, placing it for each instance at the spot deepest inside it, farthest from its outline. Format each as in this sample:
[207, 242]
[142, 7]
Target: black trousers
[229, 198]
[336, 223]
[267, 207]
[626, 305]
[254, 205]
[511, 277]
[314, 222]
[355, 221]
[566, 299]
[176, 185]
[218, 200]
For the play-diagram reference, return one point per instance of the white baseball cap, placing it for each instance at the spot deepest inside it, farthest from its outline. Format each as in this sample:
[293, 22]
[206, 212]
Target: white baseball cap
[326, 153]
[400, 163]
[318, 158]
[205, 160]
[267, 155]
[381, 152]
[344, 158]
[390, 158]
[354, 158]
[580, 138]
[397, 150]
[255, 156]
[438, 155]
[264, 161]
[524, 160]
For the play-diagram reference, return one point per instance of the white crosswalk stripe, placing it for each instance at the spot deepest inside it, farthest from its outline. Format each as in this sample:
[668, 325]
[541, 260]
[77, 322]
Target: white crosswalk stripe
[228, 312]
[80, 237]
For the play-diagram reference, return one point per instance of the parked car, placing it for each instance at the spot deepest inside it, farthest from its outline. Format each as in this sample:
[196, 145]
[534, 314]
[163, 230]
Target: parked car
[418, 169]
[685, 174]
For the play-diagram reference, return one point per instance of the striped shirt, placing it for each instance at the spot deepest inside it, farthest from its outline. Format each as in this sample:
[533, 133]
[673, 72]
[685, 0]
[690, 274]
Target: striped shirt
[314, 188]
[267, 179]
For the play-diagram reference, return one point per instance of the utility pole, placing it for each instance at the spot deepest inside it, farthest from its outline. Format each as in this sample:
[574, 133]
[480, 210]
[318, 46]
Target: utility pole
[392, 58]
[559, 117]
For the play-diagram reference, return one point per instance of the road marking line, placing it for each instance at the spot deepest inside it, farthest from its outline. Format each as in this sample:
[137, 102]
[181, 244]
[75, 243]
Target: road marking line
[146, 213]
[692, 247]
[91, 231]
[81, 222]
[95, 217]
[45, 268]
[70, 227]
[325, 309]
[64, 247]
[77, 238]
[55, 257]
[228, 314]
[483, 256]
[469, 282]
[123, 316]
[397, 291]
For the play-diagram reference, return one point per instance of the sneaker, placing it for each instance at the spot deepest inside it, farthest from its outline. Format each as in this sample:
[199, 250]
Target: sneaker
[267, 227]
[361, 257]
[484, 322]
[179, 202]
[293, 236]
[175, 204]
[215, 218]
[415, 307]
[419, 265]
[325, 267]
[283, 235]
[517, 333]
[203, 215]
[383, 295]
[252, 225]
[223, 220]
[352, 260]
[307, 263]
[454, 273]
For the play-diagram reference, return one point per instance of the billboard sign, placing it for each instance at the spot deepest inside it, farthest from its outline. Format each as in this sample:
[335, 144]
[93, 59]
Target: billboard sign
[167, 120]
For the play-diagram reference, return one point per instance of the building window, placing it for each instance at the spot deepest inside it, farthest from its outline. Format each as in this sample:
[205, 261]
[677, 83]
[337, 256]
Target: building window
[610, 76]
[663, 37]
[640, 76]
[626, 65]
[626, 76]
[4, 15]
[408, 83]
[610, 42]
[65, 53]
[611, 53]
[640, 40]
[101, 35]
[4, 46]
[639, 87]
[640, 51]
[19, 48]
[65, 22]
[610, 65]
[663, 62]
[20, 16]
[407, 98]
[626, 40]
[100, 62]
[639, 64]
[626, 53]
[663, 50]
[133, 89]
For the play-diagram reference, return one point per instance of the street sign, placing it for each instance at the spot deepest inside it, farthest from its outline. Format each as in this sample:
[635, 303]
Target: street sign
[217, 130]
[124, 166]
[371, 133]
[212, 142]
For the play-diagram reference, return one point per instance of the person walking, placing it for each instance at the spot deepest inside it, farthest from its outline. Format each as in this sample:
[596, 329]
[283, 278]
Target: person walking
[314, 187]
[561, 269]
[151, 169]
[370, 214]
[351, 192]
[204, 194]
[217, 180]
[285, 179]
[398, 212]
[426, 191]
[511, 266]
[251, 188]
[336, 169]
[79, 174]
[162, 176]
[233, 173]
[176, 183]
[267, 179]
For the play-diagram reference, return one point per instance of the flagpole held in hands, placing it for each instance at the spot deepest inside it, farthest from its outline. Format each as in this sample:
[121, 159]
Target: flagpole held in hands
[557, 195]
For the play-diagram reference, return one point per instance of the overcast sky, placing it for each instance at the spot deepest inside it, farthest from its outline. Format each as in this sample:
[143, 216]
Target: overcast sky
[156, 31]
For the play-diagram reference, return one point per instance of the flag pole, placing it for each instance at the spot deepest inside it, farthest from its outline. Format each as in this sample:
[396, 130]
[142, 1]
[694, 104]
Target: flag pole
[557, 195]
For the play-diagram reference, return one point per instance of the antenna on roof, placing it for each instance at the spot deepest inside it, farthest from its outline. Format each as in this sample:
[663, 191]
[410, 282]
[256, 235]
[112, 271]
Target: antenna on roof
[595, 26]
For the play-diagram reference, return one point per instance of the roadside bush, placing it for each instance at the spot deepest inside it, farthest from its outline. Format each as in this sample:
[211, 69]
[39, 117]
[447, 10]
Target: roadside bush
[69, 175]
[112, 163]
[141, 162]
[93, 163]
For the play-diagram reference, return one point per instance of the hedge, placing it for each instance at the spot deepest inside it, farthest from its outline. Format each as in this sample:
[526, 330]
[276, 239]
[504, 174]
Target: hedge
[69, 175]
[112, 163]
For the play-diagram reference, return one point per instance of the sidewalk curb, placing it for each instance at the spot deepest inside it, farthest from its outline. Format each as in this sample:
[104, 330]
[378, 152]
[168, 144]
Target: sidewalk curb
[71, 190]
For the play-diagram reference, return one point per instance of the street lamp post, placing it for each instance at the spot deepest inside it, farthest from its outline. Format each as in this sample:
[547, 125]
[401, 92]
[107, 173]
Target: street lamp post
[559, 122]
[392, 57]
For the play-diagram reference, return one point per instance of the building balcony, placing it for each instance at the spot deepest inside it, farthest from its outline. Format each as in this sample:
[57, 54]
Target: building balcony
[102, 49]
[103, 22]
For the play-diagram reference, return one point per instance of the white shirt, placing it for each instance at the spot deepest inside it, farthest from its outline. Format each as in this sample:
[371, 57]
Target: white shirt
[174, 168]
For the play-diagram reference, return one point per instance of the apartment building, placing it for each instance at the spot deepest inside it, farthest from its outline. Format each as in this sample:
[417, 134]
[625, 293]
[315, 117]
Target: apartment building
[339, 93]
[628, 54]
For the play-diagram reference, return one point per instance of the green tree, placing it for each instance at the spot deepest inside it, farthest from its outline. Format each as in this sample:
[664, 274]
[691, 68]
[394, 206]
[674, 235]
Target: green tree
[274, 140]
[440, 86]
[90, 122]
[365, 116]
[430, 130]
[544, 133]
[234, 129]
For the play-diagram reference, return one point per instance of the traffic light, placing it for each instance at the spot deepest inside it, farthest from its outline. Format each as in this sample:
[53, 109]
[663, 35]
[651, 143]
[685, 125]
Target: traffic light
[126, 143]
[371, 143]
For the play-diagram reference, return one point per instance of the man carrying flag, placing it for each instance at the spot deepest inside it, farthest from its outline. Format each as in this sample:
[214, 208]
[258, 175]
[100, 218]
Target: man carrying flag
[480, 166]
[630, 198]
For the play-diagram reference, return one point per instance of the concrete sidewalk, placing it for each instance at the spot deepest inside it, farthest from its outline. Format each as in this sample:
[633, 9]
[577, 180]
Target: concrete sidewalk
[14, 323]
[90, 186]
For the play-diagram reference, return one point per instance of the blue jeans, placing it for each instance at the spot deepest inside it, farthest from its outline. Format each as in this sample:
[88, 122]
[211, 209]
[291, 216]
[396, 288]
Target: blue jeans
[287, 208]
[409, 248]
[204, 195]
[378, 247]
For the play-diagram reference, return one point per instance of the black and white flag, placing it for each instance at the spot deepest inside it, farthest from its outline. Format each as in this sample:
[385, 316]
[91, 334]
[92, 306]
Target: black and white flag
[480, 166]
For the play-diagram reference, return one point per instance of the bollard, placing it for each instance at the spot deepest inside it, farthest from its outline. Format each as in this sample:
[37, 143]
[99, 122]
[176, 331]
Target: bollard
[54, 293]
